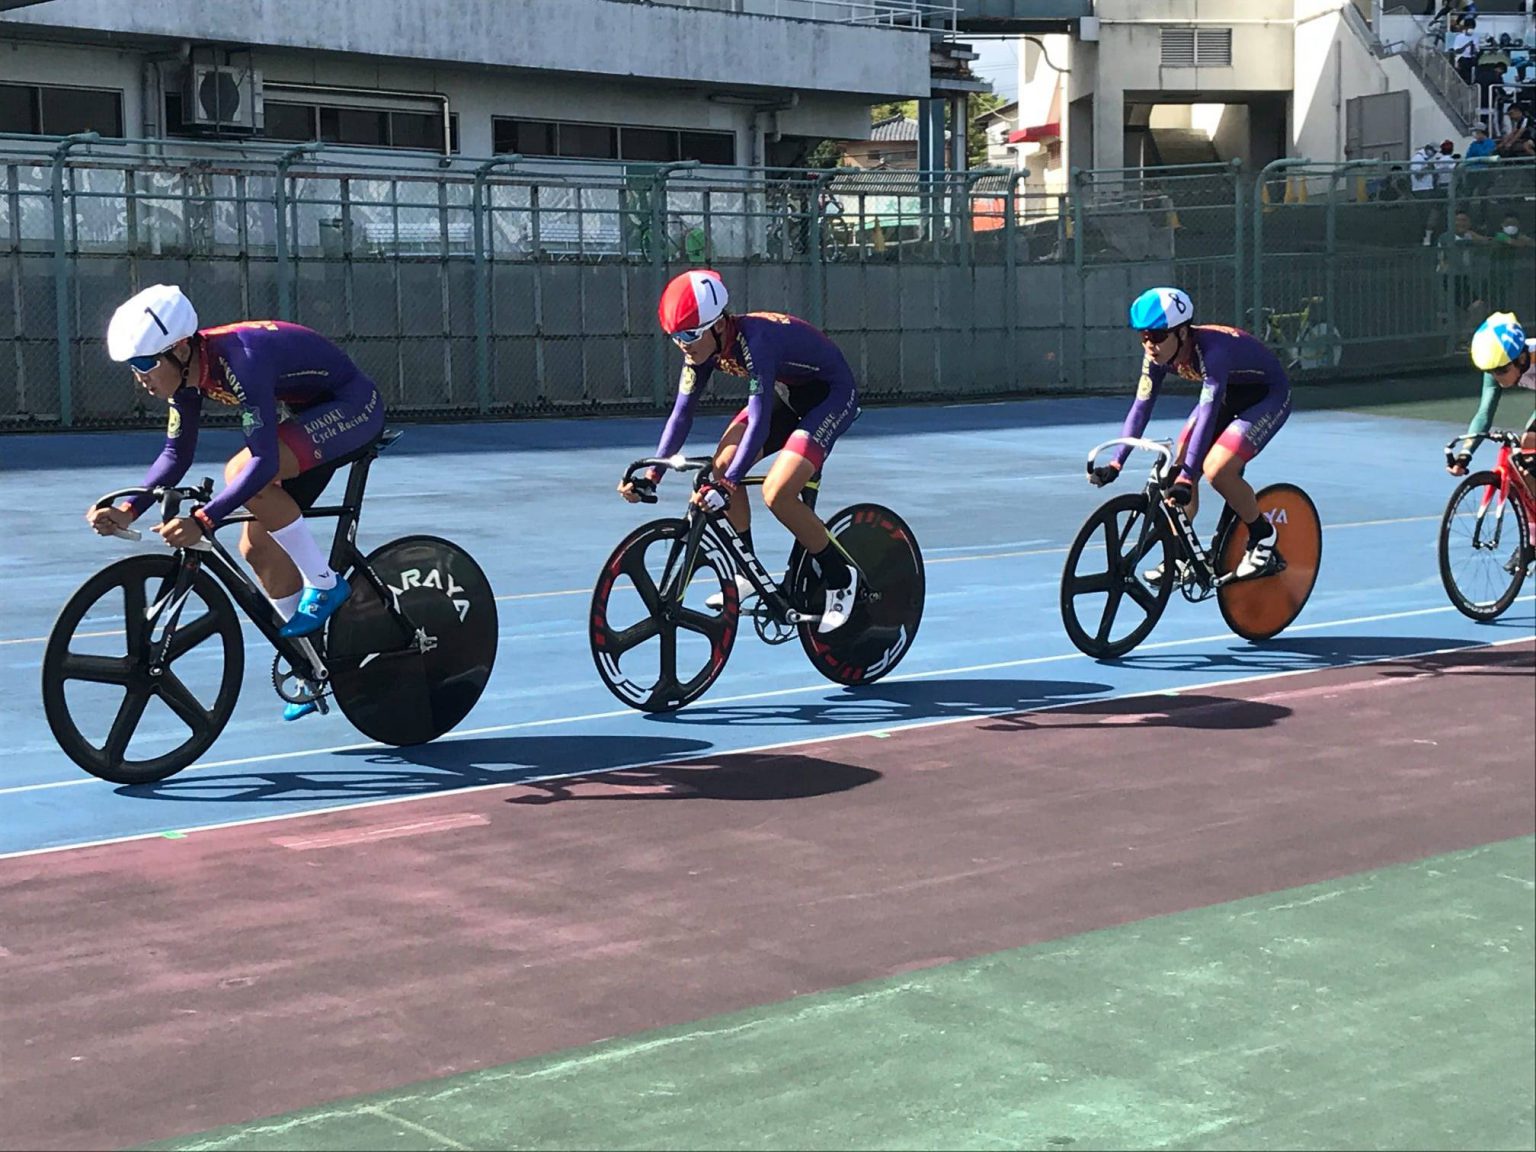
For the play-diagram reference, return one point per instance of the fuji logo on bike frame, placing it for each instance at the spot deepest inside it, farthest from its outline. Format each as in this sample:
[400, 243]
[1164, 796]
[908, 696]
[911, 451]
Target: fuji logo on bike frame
[412, 578]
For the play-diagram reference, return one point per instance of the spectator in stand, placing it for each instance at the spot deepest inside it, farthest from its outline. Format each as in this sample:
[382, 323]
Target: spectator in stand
[1421, 171]
[1463, 260]
[1520, 141]
[1488, 73]
[1477, 176]
[1464, 49]
[1512, 268]
[1444, 162]
[1510, 236]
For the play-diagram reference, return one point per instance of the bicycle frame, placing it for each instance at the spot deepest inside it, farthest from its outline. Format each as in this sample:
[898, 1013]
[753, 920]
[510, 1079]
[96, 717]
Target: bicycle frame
[724, 533]
[1203, 565]
[1508, 472]
[299, 651]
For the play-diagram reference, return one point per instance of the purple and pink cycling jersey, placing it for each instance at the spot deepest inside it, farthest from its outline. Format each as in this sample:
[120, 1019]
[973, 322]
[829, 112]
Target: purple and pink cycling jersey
[1245, 396]
[801, 395]
[292, 386]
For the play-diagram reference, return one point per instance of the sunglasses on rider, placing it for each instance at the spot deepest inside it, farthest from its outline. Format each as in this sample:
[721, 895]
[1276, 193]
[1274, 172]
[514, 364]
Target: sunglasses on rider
[1154, 335]
[690, 335]
[143, 363]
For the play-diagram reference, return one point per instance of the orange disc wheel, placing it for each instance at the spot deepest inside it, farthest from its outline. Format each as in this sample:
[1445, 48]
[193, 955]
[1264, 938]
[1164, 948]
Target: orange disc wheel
[1259, 608]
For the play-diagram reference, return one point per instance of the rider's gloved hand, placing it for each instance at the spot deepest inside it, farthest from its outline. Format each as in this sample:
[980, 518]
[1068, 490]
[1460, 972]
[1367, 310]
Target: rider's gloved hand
[714, 496]
[640, 490]
[1103, 474]
[1182, 492]
[106, 521]
[1458, 466]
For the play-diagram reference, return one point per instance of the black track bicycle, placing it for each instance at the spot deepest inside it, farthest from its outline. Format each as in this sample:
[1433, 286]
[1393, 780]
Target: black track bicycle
[1109, 606]
[666, 608]
[144, 663]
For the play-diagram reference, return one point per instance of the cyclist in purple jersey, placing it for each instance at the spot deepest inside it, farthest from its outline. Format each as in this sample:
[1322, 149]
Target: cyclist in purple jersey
[304, 407]
[801, 397]
[1245, 398]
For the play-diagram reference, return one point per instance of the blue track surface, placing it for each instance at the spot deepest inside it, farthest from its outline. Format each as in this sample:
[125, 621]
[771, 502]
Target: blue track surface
[994, 493]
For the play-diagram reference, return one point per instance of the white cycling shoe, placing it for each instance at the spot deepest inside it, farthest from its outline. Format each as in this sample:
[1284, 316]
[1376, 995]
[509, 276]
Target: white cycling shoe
[716, 600]
[1259, 558]
[1154, 576]
[839, 605]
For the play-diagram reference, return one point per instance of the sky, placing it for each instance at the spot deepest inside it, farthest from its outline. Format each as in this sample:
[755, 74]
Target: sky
[999, 63]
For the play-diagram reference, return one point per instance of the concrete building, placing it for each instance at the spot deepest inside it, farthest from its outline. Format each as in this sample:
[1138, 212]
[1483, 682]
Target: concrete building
[1155, 82]
[746, 82]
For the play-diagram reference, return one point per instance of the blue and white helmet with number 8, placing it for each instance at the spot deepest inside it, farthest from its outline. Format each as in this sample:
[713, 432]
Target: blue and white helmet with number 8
[1159, 309]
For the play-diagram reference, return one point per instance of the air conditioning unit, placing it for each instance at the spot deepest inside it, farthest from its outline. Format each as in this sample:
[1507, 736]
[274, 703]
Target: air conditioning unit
[223, 99]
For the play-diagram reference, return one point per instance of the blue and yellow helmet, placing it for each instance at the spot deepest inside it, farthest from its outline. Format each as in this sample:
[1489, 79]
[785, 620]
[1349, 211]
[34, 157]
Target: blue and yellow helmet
[1161, 308]
[1498, 340]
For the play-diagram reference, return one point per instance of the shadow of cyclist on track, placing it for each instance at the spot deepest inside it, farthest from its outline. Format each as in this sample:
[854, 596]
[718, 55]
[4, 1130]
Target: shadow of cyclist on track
[894, 702]
[444, 766]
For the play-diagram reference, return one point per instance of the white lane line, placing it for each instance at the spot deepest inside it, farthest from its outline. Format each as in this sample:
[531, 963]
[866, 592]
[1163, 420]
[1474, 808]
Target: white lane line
[930, 559]
[820, 685]
[802, 741]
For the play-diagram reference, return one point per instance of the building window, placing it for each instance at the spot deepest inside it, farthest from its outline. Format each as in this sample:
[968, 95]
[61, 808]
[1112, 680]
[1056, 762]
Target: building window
[284, 121]
[48, 110]
[588, 141]
[338, 124]
[610, 142]
[708, 147]
[654, 144]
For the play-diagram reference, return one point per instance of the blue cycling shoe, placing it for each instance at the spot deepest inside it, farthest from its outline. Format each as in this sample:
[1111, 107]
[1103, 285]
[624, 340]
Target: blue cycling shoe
[316, 606]
[299, 711]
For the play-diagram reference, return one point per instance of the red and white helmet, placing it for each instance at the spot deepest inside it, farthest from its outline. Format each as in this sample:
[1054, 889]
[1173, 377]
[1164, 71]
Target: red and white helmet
[691, 302]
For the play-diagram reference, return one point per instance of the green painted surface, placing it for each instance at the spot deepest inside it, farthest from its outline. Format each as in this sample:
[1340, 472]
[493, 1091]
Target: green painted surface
[1391, 1009]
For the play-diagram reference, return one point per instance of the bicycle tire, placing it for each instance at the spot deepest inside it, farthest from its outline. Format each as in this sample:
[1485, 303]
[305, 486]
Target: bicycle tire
[666, 691]
[109, 760]
[1465, 599]
[1121, 578]
[391, 691]
[889, 606]
[1262, 608]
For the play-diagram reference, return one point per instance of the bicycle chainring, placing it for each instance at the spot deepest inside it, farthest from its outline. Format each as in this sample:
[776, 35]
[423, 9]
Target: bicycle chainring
[292, 687]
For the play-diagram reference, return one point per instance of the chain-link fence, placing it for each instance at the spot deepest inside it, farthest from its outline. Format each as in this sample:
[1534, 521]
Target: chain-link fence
[515, 286]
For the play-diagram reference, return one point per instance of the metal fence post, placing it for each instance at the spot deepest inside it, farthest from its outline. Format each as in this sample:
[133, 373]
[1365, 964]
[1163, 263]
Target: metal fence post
[1011, 263]
[1258, 230]
[61, 277]
[280, 203]
[1239, 254]
[818, 271]
[482, 278]
[659, 268]
[1079, 181]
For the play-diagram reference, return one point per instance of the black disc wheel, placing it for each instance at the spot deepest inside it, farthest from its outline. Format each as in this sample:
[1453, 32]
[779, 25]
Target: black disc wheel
[142, 669]
[1107, 603]
[1483, 549]
[408, 670]
[662, 627]
[888, 606]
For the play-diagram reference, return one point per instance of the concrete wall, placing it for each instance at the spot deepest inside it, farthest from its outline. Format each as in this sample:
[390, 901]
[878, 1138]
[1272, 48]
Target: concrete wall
[1130, 52]
[1334, 65]
[476, 95]
[582, 37]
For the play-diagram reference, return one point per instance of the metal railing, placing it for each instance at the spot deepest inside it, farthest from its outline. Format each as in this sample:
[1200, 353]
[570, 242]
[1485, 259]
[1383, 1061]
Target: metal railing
[510, 286]
[936, 15]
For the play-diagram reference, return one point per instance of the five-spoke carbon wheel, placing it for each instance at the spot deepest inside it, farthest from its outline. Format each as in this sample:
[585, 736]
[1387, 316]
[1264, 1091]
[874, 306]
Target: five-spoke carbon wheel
[126, 702]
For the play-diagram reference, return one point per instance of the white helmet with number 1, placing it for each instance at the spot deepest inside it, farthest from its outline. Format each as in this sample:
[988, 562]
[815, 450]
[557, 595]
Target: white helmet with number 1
[150, 322]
